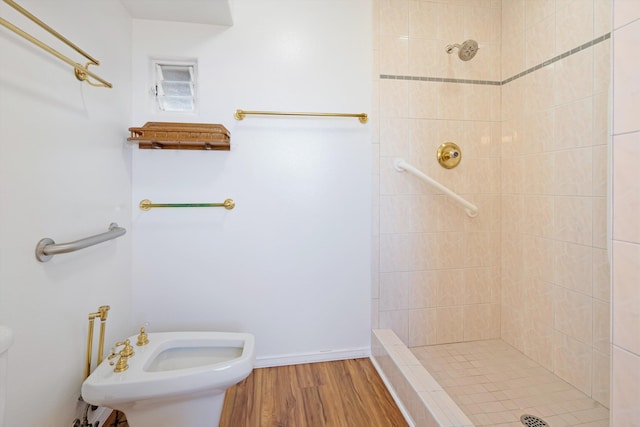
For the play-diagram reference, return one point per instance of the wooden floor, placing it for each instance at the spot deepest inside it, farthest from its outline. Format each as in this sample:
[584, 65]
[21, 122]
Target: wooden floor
[346, 393]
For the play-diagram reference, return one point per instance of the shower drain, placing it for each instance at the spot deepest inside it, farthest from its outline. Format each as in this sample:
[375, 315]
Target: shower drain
[533, 421]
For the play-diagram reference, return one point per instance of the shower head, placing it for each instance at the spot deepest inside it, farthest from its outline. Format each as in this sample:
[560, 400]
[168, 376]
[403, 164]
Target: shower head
[466, 51]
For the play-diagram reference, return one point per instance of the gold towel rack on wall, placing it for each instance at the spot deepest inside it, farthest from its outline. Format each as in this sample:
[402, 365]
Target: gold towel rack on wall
[81, 72]
[240, 114]
[146, 205]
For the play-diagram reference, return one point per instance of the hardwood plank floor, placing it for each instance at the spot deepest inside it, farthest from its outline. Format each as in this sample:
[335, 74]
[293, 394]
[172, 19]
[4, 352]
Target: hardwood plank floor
[344, 393]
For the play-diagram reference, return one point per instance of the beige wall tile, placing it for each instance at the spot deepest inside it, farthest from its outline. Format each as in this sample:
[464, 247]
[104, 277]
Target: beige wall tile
[393, 17]
[422, 99]
[394, 98]
[601, 381]
[600, 157]
[449, 324]
[394, 55]
[572, 125]
[572, 361]
[601, 275]
[574, 24]
[625, 11]
[626, 296]
[573, 315]
[450, 26]
[422, 327]
[537, 10]
[397, 321]
[425, 57]
[626, 87]
[574, 172]
[573, 77]
[422, 289]
[600, 220]
[626, 175]
[573, 218]
[603, 12]
[602, 326]
[449, 286]
[481, 321]
[625, 390]
[394, 291]
[602, 66]
[540, 41]
[423, 19]
[394, 252]
[573, 267]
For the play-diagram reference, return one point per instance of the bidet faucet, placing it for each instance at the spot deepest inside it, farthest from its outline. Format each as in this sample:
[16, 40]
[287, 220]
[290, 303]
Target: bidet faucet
[143, 338]
[125, 354]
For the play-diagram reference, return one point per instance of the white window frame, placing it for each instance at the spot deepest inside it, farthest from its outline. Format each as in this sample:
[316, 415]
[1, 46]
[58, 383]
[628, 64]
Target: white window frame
[157, 89]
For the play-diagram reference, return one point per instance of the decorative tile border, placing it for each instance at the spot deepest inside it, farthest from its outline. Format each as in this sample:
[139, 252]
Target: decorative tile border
[440, 79]
[503, 82]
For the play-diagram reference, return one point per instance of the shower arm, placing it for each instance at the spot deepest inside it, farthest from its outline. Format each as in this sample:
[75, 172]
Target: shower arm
[450, 47]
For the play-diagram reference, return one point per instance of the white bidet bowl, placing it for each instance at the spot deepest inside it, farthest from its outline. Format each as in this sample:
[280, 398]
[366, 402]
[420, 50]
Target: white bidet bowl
[176, 380]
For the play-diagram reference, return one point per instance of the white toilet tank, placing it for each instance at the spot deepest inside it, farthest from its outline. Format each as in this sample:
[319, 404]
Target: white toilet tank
[6, 339]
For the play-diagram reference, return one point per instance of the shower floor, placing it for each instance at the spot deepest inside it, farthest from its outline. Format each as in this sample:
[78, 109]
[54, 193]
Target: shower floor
[494, 384]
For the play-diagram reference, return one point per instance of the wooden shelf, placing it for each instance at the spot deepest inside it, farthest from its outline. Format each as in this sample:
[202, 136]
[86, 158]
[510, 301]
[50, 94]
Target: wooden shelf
[181, 136]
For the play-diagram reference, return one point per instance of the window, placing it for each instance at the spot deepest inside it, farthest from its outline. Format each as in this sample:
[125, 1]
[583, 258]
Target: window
[175, 88]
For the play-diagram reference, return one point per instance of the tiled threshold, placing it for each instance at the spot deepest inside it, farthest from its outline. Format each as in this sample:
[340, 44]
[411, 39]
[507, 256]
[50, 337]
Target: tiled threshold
[417, 393]
[493, 382]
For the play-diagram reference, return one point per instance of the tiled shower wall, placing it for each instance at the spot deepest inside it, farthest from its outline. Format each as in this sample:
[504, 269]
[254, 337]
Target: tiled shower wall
[626, 215]
[555, 266]
[436, 271]
[532, 268]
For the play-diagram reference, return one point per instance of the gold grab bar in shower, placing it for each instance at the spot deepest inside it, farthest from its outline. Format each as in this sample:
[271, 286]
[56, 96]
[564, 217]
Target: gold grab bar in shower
[240, 114]
[82, 73]
[146, 204]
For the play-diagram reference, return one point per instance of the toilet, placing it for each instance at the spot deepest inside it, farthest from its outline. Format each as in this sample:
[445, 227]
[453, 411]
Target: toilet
[6, 339]
[178, 379]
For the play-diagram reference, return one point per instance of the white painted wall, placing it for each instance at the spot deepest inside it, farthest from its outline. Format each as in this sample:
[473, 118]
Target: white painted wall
[291, 263]
[64, 174]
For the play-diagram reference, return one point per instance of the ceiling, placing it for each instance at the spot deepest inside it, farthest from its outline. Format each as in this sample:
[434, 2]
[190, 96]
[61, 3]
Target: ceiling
[212, 12]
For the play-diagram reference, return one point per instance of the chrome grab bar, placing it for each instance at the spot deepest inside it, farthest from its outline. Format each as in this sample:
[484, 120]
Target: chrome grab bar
[47, 248]
[401, 166]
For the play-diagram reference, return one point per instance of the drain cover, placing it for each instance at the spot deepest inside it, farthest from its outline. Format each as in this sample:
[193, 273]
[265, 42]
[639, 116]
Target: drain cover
[533, 421]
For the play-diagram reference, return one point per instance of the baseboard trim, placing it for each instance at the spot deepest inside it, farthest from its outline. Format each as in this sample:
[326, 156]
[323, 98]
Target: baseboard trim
[321, 356]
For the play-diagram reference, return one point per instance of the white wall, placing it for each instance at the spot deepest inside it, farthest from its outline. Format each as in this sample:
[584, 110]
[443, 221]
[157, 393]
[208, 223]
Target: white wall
[64, 174]
[291, 263]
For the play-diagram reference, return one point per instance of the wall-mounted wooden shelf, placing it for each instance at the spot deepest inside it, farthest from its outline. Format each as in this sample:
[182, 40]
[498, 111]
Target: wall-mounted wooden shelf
[181, 136]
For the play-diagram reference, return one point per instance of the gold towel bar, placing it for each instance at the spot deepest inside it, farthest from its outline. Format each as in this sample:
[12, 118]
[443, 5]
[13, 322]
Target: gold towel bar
[146, 204]
[240, 114]
[82, 73]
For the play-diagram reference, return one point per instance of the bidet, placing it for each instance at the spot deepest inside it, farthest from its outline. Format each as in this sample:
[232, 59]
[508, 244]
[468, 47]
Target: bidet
[177, 379]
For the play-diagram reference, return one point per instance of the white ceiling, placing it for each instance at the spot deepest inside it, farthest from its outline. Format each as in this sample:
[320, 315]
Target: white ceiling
[212, 12]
